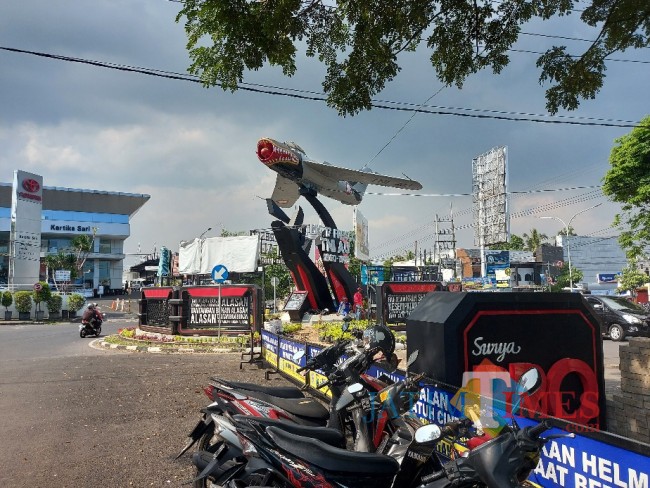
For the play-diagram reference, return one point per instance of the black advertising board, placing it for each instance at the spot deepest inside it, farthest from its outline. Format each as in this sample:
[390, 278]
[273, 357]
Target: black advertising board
[296, 305]
[397, 299]
[557, 333]
[224, 309]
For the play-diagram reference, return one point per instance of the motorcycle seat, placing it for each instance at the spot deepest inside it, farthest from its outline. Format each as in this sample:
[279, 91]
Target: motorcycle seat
[328, 435]
[278, 391]
[310, 410]
[331, 458]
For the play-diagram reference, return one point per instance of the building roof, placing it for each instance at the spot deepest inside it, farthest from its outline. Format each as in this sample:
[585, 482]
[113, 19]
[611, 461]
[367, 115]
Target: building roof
[80, 200]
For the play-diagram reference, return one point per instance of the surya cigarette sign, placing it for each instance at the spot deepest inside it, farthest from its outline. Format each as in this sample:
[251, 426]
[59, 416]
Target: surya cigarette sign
[25, 236]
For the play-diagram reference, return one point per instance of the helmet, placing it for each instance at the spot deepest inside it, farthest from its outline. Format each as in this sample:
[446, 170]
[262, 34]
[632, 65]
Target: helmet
[91, 306]
[379, 338]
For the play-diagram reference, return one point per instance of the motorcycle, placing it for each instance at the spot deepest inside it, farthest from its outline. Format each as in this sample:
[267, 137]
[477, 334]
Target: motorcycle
[94, 326]
[279, 458]
[227, 444]
[277, 455]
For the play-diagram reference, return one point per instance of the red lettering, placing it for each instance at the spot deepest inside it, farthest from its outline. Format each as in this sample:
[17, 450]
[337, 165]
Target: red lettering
[587, 377]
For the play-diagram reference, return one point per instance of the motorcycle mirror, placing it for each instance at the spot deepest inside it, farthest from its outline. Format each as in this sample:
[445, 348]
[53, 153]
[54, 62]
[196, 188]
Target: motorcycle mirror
[529, 381]
[427, 433]
[298, 355]
[412, 358]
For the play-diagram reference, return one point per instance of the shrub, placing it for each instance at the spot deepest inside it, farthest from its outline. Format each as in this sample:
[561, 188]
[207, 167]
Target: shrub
[54, 303]
[42, 295]
[75, 302]
[23, 301]
[291, 328]
[7, 299]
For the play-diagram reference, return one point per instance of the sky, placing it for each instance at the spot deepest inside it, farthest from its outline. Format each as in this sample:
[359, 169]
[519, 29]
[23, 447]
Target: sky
[193, 149]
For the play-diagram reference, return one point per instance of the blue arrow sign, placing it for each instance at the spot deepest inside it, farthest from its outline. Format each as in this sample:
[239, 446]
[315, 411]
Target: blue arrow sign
[219, 273]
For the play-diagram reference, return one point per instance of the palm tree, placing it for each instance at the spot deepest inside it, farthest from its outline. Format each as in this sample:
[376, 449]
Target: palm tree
[563, 232]
[534, 240]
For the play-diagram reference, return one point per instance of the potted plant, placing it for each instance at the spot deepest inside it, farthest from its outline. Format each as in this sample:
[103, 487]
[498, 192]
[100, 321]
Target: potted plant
[7, 300]
[41, 293]
[75, 302]
[54, 306]
[23, 301]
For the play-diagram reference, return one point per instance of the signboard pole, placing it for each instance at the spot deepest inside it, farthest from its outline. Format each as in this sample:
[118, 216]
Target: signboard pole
[219, 275]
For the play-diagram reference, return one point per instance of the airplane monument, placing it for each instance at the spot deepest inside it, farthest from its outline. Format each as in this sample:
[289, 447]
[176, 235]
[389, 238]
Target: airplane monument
[298, 175]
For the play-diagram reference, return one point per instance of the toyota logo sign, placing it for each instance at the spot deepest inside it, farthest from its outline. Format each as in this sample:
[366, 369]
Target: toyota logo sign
[31, 185]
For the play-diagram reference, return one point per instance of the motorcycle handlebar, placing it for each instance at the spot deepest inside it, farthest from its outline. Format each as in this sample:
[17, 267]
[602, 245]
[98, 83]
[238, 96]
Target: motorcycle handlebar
[535, 432]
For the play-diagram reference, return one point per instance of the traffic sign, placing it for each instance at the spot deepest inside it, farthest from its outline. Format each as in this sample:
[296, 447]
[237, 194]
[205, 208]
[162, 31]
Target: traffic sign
[275, 281]
[219, 273]
[38, 287]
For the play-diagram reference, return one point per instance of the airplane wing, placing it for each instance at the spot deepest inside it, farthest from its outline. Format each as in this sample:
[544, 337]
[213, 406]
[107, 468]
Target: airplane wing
[285, 192]
[346, 174]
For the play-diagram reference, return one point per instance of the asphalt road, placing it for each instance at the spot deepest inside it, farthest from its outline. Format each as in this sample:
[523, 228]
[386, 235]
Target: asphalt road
[74, 416]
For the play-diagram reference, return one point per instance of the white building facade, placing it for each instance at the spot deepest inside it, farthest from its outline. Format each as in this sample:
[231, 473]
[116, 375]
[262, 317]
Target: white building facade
[69, 212]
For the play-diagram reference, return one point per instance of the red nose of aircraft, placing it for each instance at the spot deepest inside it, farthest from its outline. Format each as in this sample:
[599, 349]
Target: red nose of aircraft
[272, 152]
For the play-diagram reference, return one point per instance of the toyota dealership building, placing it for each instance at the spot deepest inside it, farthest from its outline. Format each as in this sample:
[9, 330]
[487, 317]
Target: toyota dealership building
[37, 220]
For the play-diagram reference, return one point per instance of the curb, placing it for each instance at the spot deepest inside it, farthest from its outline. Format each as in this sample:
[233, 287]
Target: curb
[102, 344]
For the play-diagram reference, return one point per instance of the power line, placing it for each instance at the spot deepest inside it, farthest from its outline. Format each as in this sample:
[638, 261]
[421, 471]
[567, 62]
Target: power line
[321, 98]
[578, 56]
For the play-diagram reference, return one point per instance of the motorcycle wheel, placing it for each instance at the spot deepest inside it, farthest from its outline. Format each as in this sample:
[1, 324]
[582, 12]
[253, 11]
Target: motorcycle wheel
[98, 331]
[82, 333]
[210, 442]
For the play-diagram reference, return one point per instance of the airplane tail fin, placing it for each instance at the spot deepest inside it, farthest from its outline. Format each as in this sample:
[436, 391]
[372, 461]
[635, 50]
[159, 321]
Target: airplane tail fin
[359, 188]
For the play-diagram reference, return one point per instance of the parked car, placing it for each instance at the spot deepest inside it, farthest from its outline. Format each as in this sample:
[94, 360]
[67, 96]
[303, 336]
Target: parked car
[620, 318]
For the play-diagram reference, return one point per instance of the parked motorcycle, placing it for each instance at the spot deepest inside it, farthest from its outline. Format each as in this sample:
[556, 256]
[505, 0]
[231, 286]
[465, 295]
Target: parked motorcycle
[227, 445]
[276, 454]
[279, 458]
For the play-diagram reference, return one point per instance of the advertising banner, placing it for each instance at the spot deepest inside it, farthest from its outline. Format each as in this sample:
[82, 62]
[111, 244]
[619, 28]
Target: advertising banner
[270, 348]
[286, 363]
[361, 244]
[398, 299]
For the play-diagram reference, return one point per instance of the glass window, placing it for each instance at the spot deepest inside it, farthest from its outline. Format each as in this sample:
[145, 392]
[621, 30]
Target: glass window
[105, 246]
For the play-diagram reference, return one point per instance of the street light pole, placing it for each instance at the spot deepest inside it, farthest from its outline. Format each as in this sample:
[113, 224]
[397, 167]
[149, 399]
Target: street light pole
[568, 241]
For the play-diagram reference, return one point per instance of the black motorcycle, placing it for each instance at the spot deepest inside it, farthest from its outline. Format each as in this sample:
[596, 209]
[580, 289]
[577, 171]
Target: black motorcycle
[93, 327]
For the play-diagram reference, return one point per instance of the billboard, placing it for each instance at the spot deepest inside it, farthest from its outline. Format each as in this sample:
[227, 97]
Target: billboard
[489, 197]
[361, 245]
[25, 233]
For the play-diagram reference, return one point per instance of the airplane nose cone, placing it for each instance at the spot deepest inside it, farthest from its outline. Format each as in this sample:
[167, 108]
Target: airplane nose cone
[271, 152]
[264, 150]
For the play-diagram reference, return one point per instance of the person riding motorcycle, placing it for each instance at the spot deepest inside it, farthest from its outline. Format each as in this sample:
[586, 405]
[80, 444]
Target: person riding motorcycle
[91, 316]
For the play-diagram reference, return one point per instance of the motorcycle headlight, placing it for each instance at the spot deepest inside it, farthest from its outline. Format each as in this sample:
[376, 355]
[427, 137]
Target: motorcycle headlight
[631, 319]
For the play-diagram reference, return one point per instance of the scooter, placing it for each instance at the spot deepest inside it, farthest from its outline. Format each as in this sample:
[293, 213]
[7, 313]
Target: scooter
[94, 327]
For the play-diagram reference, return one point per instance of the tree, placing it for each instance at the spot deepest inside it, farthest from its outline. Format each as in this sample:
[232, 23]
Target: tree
[534, 240]
[359, 41]
[631, 278]
[563, 232]
[516, 243]
[628, 182]
[564, 278]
